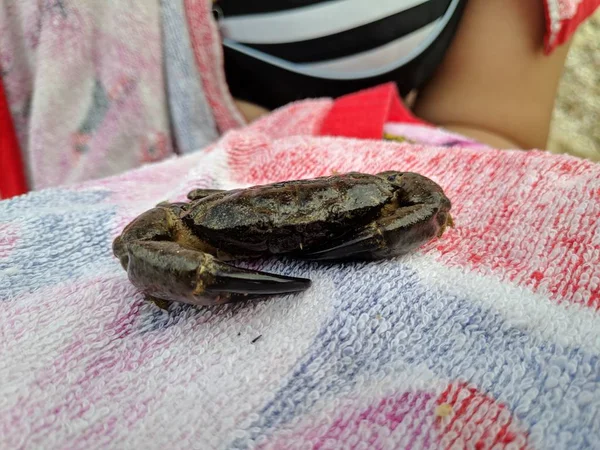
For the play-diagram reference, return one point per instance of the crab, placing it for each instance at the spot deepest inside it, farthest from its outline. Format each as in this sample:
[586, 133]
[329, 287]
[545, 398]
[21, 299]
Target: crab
[183, 251]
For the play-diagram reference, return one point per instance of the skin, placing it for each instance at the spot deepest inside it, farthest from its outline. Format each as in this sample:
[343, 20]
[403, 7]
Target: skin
[495, 84]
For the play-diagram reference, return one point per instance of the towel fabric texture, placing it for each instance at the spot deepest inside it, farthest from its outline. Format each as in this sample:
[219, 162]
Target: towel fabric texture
[135, 84]
[485, 338]
[194, 125]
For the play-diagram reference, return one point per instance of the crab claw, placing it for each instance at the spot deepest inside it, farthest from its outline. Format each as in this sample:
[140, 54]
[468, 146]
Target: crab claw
[228, 278]
[167, 271]
[362, 246]
[399, 233]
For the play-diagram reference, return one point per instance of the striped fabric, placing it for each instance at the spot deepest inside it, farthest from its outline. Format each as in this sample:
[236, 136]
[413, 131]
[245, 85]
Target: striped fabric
[338, 45]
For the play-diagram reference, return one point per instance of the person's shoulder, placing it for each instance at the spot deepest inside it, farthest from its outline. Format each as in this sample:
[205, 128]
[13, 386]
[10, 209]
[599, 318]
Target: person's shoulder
[499, 79]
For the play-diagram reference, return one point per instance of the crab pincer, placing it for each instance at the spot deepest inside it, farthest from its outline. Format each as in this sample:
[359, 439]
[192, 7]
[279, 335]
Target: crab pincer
[167, 263]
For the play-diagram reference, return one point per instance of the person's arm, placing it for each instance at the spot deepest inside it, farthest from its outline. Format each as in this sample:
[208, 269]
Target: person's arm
[496, 84]
[250, 111]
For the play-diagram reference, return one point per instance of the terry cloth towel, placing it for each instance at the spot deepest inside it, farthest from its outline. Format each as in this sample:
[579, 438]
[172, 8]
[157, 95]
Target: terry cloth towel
[486, 338]
[94, 88]
[193, 124]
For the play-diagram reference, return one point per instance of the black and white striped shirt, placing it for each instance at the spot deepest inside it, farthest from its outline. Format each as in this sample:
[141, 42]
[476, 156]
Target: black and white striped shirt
[277, 51]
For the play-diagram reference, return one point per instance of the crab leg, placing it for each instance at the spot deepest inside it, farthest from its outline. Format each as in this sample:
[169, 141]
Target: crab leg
[199, 193]
[401, 232]
[165, 263]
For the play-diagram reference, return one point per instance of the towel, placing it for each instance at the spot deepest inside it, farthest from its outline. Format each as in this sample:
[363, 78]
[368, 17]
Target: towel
[134, 84]
[102, 110]
[192, 120]
[484, 338]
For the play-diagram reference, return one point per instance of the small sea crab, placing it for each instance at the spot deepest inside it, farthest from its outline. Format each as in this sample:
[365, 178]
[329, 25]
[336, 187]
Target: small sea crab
[181, 252]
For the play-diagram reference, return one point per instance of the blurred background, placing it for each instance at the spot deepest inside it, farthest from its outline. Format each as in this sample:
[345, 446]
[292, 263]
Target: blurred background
[575, 125]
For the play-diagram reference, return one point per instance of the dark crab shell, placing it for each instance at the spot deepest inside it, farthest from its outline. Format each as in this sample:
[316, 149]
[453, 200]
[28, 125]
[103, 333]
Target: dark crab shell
[286, 217]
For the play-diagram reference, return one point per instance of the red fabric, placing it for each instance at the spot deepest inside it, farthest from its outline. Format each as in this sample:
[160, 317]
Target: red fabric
[12, 177]
[362, 114]
[567, 26]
